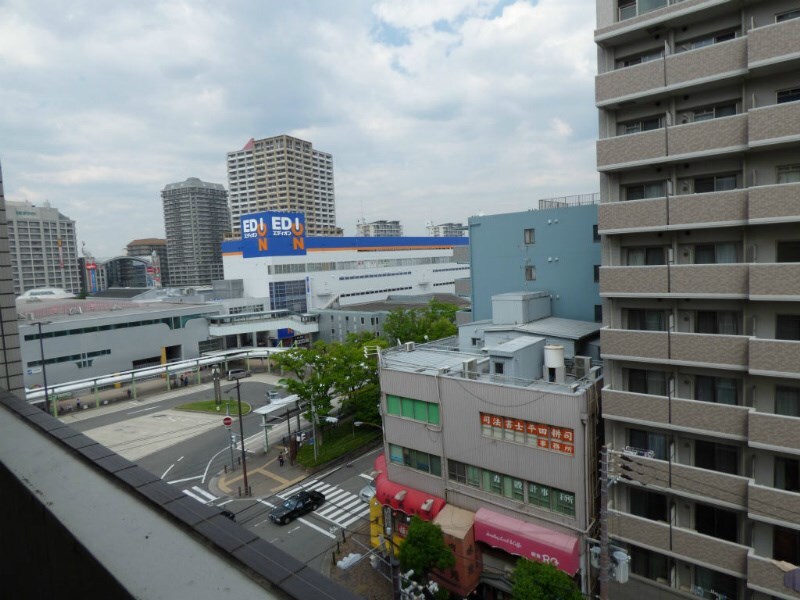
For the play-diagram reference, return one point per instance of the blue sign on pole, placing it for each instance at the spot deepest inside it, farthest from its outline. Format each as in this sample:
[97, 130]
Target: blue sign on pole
[273, 234]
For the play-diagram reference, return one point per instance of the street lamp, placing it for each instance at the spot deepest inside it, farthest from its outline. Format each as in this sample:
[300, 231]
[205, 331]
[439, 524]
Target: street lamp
[44, 370]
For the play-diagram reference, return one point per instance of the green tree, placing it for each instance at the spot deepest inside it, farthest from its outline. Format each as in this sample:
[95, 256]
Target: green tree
[542, 581]
[433, 322]
[424, 549]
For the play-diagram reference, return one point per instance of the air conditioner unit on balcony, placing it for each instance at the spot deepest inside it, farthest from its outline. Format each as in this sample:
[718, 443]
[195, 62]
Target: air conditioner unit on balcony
[685, 118]
[687, 186]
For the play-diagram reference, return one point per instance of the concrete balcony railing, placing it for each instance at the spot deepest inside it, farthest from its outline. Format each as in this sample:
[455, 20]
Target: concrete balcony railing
[688, 415]
[692, 481]
[773, 124]
[635, 281]
[634, 345]
[767, 430]
[632, 148]
[704, 549]
[720, 351]
[766, 577]
[774, 281]
[632, 214]
[772, 43]
[712, 208]
[711, 61]
[773, 504]
[716, 134]
[719, 280]
[775, 358]
[774, 203]
[629, 81]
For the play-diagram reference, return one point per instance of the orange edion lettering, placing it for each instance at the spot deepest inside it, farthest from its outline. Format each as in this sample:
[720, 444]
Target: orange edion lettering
[262, 244]
[298, 243]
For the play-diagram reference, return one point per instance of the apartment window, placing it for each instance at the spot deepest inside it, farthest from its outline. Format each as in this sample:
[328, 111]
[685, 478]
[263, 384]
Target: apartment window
[709, 254]
[707, 40]
[530, 273]
[711, 112]
[716, 522]
[787, 474]
[641, 191]
[787, 252]
[786, 545]
[722, 390]
[498, 368]
[649, 442]
[706, 580]
[788, 15]
[647, 382]
[637, 257]
[787, 327]
[529, 236]
[427, 412]
[596, 273]
[463, 473]
[598, 313]
[637, 59]
[716, 457]
[642, 124]
[595, 233]
[714, 183]
[648, 505]
[646, 319]
[717, 322]
[787, 401]
[788, 174]
[788, 95]
[649, 564]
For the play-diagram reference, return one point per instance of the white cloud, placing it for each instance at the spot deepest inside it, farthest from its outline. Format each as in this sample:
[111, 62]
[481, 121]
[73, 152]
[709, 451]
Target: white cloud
[432, 110]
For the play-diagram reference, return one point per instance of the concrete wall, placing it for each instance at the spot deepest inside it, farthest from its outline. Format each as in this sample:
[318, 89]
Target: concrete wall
[562, 235]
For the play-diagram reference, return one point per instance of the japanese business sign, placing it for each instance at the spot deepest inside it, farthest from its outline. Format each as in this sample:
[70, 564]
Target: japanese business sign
[541, 435]
[273, 234]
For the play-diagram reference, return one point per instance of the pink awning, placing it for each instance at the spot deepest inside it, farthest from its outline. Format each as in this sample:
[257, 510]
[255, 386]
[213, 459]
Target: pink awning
[530, 541]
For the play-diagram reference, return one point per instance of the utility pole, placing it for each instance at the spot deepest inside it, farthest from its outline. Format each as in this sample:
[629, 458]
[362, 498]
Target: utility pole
[241, 434]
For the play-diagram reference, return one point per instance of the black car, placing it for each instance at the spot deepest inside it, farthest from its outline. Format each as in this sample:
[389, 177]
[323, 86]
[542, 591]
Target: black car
[295, 506]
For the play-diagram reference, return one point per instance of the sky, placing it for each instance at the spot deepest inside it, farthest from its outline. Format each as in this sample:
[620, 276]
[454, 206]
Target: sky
[433, 110]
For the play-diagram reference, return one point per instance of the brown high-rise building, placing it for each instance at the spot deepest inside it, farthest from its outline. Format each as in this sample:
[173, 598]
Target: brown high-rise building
[699, 156]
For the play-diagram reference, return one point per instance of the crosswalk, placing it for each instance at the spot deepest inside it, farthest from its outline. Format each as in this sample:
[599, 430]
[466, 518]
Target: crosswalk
[200, 494]
[341, 507]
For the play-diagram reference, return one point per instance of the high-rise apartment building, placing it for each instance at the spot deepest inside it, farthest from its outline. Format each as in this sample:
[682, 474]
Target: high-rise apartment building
[146, 247]
[699, 155]
[10, 357]
[379, 229]
[445, 230]
[43, 248]
[283, 173]
[196, 221]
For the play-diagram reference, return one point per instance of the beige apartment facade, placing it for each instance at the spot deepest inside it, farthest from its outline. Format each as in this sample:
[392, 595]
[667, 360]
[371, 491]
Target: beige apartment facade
[699, 160]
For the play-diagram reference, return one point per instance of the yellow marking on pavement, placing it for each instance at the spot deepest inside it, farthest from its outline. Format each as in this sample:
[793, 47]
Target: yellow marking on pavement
[227, 484]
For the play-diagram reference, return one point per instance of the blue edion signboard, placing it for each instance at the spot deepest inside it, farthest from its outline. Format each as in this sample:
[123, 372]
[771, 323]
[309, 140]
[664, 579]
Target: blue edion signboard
[273, 234]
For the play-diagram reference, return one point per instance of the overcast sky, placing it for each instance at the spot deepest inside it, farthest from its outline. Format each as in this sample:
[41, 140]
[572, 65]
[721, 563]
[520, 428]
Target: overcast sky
[433, 109]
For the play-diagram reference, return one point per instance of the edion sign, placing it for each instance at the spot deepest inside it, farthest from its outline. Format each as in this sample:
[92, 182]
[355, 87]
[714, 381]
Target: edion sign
[273, 234]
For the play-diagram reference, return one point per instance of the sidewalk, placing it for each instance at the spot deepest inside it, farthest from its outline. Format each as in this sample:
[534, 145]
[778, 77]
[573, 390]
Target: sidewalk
[265, 476]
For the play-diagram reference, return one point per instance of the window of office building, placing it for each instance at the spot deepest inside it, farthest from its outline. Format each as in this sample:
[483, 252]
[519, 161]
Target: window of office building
[416, 459]
[530, 273]
[427, 412]
[290, 295]
[463, 473]
[530, 236]
[787, 174]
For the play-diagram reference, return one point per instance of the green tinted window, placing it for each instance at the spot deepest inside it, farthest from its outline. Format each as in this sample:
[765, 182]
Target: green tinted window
[433, 414]
[408, 408]
[421, 411]
[539, 495]
[393, 405]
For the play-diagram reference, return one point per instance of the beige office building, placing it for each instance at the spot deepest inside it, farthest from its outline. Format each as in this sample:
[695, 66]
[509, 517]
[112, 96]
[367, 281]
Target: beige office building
[283, 173]
[699, 156]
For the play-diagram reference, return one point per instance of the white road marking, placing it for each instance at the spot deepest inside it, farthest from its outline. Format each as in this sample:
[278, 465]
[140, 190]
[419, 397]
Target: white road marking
[366, 476]
[228, 501]
[202, 492]
[360, 515]
[186, 479]
[266, 503]
[133, 412]
[320, 529]
[191, 494]
[168, 470]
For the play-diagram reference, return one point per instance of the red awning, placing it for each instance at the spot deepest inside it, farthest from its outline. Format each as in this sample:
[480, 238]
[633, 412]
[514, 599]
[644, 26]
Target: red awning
[403, 497]
[533, 542]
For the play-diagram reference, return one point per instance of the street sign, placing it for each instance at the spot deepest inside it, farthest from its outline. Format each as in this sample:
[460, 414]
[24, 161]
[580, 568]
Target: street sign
[227, 421]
